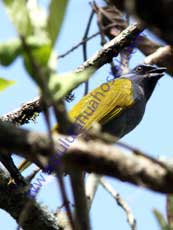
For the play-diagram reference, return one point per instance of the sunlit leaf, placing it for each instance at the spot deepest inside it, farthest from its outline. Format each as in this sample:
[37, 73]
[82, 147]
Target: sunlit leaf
[61, 85]
[56, 14]
[17, 11]
[9, 51]
[35, 11]
[161, 220]
[4, 83]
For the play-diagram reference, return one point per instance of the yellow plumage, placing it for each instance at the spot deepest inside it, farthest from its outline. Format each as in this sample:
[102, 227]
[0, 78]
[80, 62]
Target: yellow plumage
[105, 103]
[119, 95]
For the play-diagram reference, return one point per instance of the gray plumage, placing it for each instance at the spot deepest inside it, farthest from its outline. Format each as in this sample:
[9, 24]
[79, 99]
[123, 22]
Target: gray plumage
[144, 79]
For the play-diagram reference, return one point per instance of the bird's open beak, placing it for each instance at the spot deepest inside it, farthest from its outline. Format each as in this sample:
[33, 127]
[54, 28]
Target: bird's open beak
[157, 72]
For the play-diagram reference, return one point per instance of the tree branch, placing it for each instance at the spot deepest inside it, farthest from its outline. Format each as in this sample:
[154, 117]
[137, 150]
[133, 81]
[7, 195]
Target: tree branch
[92, 156]
[15, 199]
[81, 209]
[103, 56]
[91, 188]
[23, 114]
[112, 48]
[163, 56]
[130, 217]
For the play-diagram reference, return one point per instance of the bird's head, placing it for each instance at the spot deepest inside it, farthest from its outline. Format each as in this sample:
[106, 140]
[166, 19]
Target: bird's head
[149, 71]
[146, 76]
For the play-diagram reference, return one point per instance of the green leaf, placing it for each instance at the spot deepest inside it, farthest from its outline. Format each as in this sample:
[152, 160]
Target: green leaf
[56, 14]
[18, 12]
[170, 210]
[9, 51]
[40, 56]
[61, 85]
[35, 12]
[161, 220]
[4, 83]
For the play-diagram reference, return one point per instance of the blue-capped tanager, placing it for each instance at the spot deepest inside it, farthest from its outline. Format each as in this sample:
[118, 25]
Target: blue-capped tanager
[118, 105]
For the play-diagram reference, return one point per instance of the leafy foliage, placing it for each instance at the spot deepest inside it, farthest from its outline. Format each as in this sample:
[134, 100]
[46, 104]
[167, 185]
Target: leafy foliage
[166, 224]
[19, 15]
[37, 38]
[161, 220]
[9, 51]
[40, 54]
[56, 15]
[4, 83]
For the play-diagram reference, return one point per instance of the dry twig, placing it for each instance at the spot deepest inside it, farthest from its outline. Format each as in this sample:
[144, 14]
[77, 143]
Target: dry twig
[130, 217]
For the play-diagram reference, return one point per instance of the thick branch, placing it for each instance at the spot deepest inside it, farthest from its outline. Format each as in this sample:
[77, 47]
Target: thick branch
[38, 216]
[92, 156]
[112, 48]
[163, 56]
[24, 113]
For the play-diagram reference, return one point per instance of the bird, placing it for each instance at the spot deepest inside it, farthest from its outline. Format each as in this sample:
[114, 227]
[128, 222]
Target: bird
[118, 105]
[120, 109]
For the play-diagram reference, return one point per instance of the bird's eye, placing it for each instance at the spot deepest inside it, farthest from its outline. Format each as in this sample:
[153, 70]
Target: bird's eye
[138, 69]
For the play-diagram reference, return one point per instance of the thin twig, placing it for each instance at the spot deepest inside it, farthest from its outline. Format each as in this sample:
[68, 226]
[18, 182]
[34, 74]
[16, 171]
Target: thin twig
[98, 11]
[112, 48]
[83, 41]
[7, 161]
[130, 217]
[91, 186]
[84, 46]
